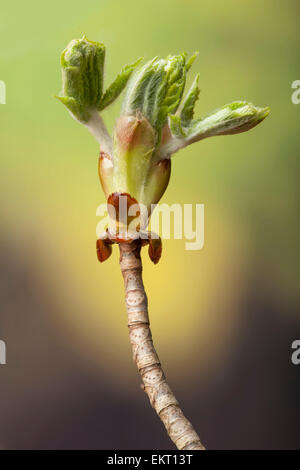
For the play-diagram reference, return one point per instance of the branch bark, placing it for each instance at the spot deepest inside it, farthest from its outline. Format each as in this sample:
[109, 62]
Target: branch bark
[154, 383]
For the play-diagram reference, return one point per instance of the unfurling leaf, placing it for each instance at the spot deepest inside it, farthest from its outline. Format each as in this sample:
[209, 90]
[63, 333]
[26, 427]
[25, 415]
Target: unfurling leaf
[82, 64]
[232, 118]
[156, 89]
[191, 60]
[186, 110]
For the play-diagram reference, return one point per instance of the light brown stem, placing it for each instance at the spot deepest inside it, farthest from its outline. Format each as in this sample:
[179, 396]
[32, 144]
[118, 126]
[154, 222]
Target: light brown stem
[154, 383]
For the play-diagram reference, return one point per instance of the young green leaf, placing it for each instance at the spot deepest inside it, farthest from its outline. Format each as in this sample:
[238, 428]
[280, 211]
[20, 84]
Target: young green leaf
[232, 118]
[82, 64]
[176, 127]
[186, 110]
[169, 94]
[191, 60]
[156, 89]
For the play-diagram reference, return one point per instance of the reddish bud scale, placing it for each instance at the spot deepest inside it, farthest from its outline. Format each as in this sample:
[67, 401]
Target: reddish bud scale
[132, 132]
[113, 202]
[105, 170]
[155, 249]
[103, 249]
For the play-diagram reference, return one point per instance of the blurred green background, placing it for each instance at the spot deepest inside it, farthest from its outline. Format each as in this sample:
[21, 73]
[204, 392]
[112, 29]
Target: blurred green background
[223, 318]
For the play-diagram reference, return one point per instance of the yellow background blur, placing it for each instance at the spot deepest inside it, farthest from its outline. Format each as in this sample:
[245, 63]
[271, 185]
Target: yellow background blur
[223, 318]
